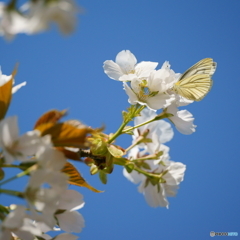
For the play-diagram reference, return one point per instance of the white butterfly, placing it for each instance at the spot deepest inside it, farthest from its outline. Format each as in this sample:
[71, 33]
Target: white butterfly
[196, 82]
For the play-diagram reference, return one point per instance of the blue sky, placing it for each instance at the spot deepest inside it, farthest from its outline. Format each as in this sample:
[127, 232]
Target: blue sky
[66, 72]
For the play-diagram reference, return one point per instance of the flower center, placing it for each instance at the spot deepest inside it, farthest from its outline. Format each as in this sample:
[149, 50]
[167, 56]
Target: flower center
[145, 92]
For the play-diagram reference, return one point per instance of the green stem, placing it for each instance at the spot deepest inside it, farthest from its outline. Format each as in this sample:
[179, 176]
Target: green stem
[134, 144]
[27, 171]
[11, 192]
[119, 132]
[139, 125]
[148, 174]
[137, 110]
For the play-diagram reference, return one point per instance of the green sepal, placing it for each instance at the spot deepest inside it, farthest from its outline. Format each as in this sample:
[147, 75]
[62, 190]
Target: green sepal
[145, 165]
[103, 177]
[109, 163]
[121, 161]
[115, 152]
[129, 167]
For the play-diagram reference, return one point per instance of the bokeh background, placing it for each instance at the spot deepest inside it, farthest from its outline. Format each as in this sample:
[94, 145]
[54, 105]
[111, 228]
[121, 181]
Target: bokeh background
[66, 73]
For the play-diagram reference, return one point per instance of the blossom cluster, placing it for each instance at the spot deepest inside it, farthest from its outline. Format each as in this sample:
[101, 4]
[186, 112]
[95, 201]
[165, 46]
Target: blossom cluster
[147, 157]
[43, 153]
[152, 88]
[36, 16]
[49, 202]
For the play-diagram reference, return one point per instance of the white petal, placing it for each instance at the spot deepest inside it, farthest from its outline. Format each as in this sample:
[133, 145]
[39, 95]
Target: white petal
[132, 96]
[24, 235]
[134, 176]
[128, 77]
[5, 235]
[28, 144]
[143, 69]
[14, 219]
[17, 87]
[153, 197]
[158, 101]
[183, 120]
[71, 221]
[51, 159]
[175, 173]
[164, 131]
[28, 226]
[9, 130]
[126, 60]
[71, 200]
[112, 70]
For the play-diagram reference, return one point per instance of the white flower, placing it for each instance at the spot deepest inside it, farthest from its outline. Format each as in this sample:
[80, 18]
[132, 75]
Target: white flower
[152, 91]
[18, 223]
[156, 193]
[183, 120]
[159, 131]
[11, 22]
[41, 14]
[125, 67]
[49, 175]
[15, 147]
[4, 79]
[70, 220]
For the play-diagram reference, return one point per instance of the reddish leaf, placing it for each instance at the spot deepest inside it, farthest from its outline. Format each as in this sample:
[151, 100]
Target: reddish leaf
[51, 116]
[6, 95]
[75, 177]
[65, 135]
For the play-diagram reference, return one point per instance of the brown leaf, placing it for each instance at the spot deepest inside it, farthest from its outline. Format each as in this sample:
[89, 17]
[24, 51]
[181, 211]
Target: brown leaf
[65, 135]
[6, 95]
[51, 116]
[75, 177]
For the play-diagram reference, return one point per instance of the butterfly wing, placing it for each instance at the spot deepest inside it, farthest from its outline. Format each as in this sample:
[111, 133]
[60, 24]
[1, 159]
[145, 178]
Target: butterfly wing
[194, 87]
[204, 66]
[196, 82]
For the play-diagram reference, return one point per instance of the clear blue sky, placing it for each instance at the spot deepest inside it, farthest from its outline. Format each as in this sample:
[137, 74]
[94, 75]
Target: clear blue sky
[66, 72]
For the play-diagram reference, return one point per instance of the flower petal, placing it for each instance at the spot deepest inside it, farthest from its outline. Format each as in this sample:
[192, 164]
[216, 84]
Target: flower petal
[112, 70]
[71, 221]
[132, 96]
[143, 69]
[126, 60]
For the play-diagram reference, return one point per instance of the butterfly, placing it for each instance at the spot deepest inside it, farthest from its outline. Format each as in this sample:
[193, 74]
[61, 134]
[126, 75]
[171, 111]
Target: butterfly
[196, 82]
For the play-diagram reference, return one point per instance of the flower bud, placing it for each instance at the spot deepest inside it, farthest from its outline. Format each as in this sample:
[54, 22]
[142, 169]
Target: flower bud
[99, 147]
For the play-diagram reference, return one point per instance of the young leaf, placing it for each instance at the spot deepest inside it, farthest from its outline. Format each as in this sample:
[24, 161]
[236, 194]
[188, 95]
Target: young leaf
[133, 111]
[75, 177]
[6, 94]
[103, 177]
[51, 116]
[5, 97]
[65, 135]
